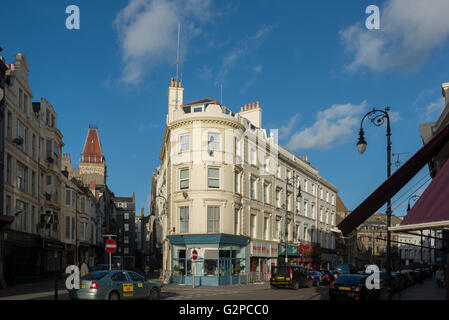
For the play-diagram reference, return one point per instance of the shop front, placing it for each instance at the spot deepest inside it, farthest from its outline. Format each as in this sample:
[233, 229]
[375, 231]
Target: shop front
[52, 257]
[221, 259]
[328, 259]
[22, 257]
[263, 256]
[310, 256]
[293, 255]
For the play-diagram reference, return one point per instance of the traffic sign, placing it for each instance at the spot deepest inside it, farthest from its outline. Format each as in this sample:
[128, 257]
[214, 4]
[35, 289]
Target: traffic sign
[111, 246]
[194, 254]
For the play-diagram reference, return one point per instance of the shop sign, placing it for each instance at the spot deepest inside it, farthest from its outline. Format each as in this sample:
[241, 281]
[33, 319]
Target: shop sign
[259, 249]
[52, 245]
[292, 250]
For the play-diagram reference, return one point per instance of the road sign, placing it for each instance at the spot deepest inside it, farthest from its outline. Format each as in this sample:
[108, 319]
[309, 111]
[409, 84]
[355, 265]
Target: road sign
[194, 254]
[111, 246]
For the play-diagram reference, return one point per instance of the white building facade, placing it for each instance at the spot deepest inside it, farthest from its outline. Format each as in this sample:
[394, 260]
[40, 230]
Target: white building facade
[221, 191]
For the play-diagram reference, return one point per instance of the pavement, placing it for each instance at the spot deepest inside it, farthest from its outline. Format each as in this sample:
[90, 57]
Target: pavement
[424, 291]
[40, 290]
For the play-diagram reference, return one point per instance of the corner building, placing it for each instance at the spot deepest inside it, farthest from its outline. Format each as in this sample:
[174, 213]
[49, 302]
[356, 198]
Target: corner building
[221, 190]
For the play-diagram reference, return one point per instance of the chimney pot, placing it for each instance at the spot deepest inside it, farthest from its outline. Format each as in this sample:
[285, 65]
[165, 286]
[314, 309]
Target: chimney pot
[241, 108]
[254, 105]
[257, 104]
[245, 107]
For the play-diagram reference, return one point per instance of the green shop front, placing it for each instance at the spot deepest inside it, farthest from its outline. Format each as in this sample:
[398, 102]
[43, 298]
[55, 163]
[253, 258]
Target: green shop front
[221, 259]
[293, 254]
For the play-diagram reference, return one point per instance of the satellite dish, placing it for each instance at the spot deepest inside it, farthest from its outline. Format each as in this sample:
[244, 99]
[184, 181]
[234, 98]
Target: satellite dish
[51, 189]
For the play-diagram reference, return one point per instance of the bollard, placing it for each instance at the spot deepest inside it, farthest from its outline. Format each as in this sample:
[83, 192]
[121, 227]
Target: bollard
[56, 289]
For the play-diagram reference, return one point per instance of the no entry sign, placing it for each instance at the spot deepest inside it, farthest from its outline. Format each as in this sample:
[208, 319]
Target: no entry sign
[111, 246]
[194, 254]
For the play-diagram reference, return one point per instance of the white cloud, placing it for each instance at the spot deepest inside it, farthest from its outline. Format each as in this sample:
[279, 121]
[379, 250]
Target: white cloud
[241, 49]
[434, 109]
[333, 125]
[285, 131]
[205, 73]
[409, 31]
[256, 71]
[147, 31]
[394, 116]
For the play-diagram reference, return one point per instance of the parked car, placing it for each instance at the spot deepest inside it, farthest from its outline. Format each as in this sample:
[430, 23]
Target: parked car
[397, 282]
[409, 276]
[99, 267]
[290, 276]
[114, 285]
[317, 278]
[328, 276]
[346, 268]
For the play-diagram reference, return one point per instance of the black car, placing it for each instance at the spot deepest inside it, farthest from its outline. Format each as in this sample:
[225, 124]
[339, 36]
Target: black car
[290, 277]
[349, 287]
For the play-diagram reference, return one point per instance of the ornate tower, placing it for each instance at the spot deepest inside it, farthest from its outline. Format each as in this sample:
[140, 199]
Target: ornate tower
[92, 166]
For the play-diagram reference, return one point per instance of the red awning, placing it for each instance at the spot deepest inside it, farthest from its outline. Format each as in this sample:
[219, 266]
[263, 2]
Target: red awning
[433, 204]
[395, 183]
[5, 220]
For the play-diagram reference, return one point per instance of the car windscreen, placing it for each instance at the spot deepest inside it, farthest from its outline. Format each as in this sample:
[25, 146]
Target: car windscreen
[280, 271]
[94, 275]
[350, 280]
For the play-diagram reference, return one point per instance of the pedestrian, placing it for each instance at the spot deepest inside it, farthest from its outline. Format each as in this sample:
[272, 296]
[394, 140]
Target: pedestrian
[147, 271]
[119, 266]
[439, 277]
[84, 268]
[443, 278]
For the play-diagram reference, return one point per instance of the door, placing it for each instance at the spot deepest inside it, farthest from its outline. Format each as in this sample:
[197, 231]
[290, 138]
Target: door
[122, 285]
[138, 284]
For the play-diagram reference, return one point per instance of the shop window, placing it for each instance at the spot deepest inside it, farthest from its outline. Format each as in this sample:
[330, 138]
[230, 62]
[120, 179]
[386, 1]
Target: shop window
[210, 267]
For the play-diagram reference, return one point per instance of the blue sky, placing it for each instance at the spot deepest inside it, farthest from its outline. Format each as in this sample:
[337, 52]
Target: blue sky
[313, 65]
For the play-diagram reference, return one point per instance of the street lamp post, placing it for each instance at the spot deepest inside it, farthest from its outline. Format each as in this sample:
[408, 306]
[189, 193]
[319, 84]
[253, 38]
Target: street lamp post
[293, 181]
[378, 117]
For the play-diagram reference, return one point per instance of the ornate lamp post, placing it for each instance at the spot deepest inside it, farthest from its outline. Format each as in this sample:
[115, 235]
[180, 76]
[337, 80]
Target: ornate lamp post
[378, 118]
[293, 181]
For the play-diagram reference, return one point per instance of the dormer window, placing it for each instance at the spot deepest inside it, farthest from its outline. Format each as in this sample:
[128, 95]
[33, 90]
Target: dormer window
[187, 109]
[198, 109]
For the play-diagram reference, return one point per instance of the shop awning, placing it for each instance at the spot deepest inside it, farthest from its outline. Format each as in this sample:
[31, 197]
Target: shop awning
[431, 209]
[5, 221]
[395, 183]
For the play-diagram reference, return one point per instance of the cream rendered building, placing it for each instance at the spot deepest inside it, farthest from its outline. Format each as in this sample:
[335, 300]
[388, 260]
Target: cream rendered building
[32, 178]
[220, 190]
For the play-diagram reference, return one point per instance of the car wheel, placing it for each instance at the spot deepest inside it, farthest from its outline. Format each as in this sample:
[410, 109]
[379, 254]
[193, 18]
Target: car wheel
[296, 285]
[154, 294]
[114, 296]
[310, 284]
